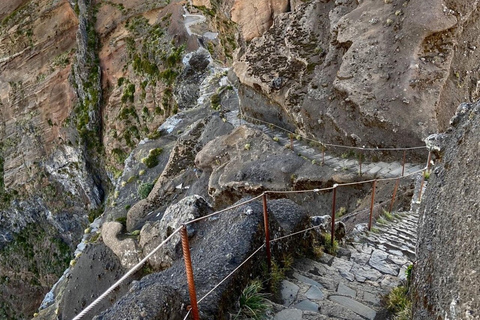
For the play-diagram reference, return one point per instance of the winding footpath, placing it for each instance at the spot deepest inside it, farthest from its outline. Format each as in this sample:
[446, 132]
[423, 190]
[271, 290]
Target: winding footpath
[352, 284]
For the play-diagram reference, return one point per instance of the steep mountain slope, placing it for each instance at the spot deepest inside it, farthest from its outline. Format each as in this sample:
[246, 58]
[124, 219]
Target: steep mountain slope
[87, 86]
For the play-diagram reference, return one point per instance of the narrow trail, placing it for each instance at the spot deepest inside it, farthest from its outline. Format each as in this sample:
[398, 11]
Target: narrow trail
[352, 284]
[340, 164]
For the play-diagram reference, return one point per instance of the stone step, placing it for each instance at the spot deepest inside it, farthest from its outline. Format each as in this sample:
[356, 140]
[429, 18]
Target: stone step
[393, 244]
[402, 233]
[406, 252]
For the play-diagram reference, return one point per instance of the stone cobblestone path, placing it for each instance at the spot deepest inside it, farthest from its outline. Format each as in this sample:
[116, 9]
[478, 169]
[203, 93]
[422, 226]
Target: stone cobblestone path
[352, 284]
[346, 165]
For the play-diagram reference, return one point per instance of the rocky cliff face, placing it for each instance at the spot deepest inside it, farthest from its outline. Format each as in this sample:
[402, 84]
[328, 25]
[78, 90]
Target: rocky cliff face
[446, 273]
[369, 72]
[124, 108]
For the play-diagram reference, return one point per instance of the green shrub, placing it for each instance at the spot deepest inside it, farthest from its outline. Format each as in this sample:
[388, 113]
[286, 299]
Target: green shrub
[152, 159]
[340, 212]
[399, 303]
[215, 101]
[388, 215]
[144, 190]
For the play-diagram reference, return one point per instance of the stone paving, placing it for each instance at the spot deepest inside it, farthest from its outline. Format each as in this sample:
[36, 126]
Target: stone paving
[352, 284]
[373, 169]
[346, 165]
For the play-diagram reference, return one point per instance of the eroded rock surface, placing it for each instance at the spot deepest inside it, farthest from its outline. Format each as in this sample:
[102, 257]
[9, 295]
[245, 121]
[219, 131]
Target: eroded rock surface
[446, 272]
[153, 233]
[368, 73]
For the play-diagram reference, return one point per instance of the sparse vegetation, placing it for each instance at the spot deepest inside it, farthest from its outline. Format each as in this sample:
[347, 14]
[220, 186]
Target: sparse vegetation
[340, 212]
[328, 244]
[95, 213]
[144, 190]
[426, 174]
[252, 302]
[388, 216]
[399, 303]
[215, 101]
[152, 159]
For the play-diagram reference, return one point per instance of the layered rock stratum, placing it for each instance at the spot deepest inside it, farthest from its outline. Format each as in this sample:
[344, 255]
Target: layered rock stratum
[118, 110]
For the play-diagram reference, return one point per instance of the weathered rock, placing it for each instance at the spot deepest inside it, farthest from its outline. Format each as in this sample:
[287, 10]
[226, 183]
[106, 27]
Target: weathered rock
[255, 17]
[288, 291]
[153, 233]
[315, 293]
[446, 278]
[216, 251]
[306, 305]
[243, 160]
[346, 291]
[289, 314]
[355, 306]
[347, 57]
[378, 261]
[98, 269]
[126, 250]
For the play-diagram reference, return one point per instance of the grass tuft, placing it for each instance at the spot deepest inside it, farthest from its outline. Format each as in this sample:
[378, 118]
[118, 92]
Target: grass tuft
[252, 302]
[328, 244]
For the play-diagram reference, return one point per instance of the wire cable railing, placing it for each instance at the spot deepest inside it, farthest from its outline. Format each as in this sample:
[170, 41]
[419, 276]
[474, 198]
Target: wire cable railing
[182, 229]
[331, 144]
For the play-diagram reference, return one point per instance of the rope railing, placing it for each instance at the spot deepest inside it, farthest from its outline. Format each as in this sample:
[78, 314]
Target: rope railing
[129, 273]
[263, 195]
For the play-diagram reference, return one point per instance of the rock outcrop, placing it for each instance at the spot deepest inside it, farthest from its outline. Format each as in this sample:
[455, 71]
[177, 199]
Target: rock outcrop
[446, 280]
[126, 108]
[153, 233]
[376, 73]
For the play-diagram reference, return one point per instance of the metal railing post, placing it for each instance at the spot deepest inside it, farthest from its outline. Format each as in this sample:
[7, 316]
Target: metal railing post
[403, 162]
[334, 200]
[423, 175]
[397, 182]
[360, 154]
[323, 155]
[371, 205]
[189, 272]
[267, 232]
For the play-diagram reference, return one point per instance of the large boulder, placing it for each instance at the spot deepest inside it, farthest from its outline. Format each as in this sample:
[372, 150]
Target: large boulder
[243, 161]
[378, 73]
[125, 249]
[219, 245]
[154, 232]
[255, 17]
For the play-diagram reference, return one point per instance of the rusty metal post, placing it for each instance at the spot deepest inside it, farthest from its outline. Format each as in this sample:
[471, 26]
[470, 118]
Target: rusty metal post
[323, 155]
[394, 194]
[333, 213]
[267, 232]
[403, 162]
[360, 154]
[189, 272]
[423, 175]
[371, 205]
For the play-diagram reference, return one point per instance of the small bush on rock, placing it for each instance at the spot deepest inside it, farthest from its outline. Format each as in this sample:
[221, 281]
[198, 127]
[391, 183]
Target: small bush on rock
[144, 190]
[151, 160]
